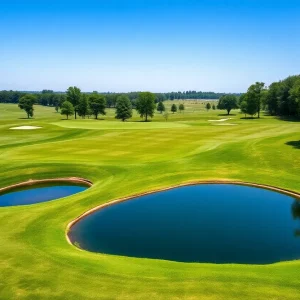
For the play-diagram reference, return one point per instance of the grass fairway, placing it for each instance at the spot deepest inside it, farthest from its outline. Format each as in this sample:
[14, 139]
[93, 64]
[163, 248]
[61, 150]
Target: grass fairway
[94, 124]
[36, 262]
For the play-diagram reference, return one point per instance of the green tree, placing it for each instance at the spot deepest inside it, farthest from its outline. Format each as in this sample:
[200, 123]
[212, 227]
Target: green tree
[26, 102]
[55, 101]
[111, 99]
[173, 108]
[286, 104]
[161, 107]
[181, 107]
[208, 106]
[74, 96]
[242, 98]
[228, 102]
[67, 109]
[62, 99]
[97, 104]
[272, 98]
[251, 106]
[89, 112]
[213, 107]
[255, 92]
[243, 107]
[45, 98]
[295, 97]
[123, 108]
[145, 105]
[83, 106]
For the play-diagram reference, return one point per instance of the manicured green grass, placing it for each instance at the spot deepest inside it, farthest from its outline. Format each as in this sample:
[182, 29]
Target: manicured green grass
[98, 124]
[36, 262]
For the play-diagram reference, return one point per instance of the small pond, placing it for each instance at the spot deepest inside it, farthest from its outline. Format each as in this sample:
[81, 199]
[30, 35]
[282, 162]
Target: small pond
[215, 223]
[38, 192]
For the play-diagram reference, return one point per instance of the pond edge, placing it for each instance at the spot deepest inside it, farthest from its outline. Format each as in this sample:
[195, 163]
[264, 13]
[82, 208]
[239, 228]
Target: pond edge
[190, 183]
[37, 181]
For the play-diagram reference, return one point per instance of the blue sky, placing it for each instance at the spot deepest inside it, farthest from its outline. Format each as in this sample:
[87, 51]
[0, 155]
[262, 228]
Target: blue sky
[156, 45]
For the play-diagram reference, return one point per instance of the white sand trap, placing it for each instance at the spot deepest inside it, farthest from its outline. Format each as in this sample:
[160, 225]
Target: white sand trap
[25, 127]
[220, 120]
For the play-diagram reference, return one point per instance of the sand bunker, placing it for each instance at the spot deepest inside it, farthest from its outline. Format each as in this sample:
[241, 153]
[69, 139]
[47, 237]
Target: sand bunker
[25, 127]
[220, 120]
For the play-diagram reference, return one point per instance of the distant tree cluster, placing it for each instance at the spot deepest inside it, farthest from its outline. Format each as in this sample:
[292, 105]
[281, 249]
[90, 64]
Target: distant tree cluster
[192, 95]
[283, 98]
[160, 97]
[93, 104]
[279, 99]
[51, 98]
[83, 105]
[11, 96]
[251, 103]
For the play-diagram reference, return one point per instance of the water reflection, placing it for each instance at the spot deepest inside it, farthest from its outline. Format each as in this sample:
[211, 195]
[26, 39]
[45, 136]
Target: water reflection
[37, 193]
[296, 215]
[206, 223]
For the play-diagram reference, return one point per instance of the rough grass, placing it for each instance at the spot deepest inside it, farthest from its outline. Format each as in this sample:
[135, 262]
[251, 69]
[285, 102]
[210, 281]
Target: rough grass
[36, 262]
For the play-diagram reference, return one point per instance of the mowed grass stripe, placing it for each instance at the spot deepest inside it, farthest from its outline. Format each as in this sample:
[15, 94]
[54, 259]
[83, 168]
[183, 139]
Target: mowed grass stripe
[37, 262]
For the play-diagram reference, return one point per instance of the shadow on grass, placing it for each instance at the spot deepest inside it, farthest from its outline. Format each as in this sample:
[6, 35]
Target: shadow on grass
[288, 118]
[250, 118]
[226, 115]
[295, 144]
[26, 118]
[65, 119]
[141, 121]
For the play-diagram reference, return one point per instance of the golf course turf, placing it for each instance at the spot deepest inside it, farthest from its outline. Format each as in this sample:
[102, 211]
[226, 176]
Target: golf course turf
[122, 160]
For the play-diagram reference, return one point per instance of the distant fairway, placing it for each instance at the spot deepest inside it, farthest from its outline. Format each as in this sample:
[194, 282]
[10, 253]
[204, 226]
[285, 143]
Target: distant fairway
[36, 262]
[99, 124]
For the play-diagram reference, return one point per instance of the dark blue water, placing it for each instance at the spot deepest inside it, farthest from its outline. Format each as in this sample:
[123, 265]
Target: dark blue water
[206, 223]
[39, 193]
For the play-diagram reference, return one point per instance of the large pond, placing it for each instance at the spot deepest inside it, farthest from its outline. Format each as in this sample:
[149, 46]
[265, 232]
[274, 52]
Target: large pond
[36, 193]
[216, 223]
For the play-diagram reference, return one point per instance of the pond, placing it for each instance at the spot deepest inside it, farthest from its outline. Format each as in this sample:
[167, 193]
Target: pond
[38, 192]
[213, 223]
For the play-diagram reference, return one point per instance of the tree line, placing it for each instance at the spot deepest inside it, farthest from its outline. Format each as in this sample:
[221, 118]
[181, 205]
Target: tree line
[281, 98]
[192, 95]
[251, 103]
[86, 105]
[51, 98]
